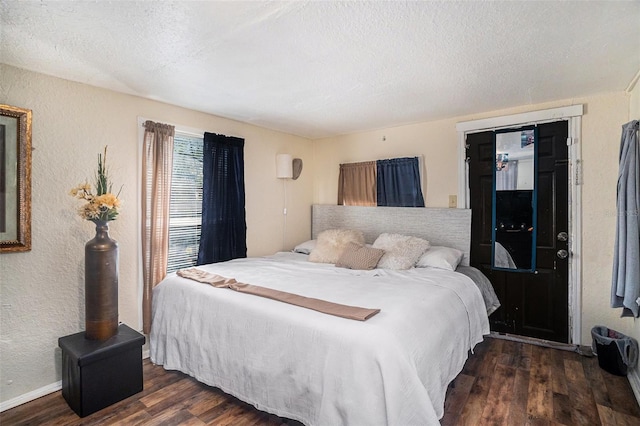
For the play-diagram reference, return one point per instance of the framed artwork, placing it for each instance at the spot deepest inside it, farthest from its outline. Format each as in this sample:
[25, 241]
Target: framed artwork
[15, 179]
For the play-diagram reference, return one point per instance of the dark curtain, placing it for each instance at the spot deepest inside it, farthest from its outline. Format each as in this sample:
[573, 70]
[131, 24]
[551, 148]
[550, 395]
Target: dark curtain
[224, 228]
[398, 183]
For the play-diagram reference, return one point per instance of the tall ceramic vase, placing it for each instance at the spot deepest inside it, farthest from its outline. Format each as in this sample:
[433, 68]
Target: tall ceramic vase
[101, 284]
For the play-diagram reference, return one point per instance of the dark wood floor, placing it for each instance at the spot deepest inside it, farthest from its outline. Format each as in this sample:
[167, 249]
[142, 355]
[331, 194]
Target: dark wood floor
[503, 383]
[509, 383]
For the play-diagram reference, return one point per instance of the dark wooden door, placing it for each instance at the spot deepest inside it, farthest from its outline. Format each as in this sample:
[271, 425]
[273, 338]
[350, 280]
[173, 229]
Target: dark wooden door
[533, 304]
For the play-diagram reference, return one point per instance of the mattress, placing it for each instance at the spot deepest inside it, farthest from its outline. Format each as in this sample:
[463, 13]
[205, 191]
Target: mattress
[319, 369]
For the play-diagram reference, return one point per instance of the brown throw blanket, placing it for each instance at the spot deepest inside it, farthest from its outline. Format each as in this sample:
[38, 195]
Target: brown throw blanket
[344, 311]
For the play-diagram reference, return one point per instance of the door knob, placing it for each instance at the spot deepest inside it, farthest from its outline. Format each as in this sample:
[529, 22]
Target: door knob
[562, 236]
[562, 254]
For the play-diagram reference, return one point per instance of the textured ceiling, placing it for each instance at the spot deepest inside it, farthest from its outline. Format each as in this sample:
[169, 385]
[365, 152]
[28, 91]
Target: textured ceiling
[318, 69]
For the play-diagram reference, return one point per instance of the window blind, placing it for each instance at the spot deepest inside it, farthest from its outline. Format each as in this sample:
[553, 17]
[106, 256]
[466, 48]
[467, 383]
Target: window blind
[185, 214]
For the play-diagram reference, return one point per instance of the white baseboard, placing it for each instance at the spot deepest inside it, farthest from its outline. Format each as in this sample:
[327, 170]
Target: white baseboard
[632, 375]
[30, 396]
[634, 380]
[38, 393]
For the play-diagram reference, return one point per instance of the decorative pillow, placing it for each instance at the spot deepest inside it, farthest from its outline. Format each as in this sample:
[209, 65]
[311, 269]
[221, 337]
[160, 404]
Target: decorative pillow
[441, 257]
[400, 251]
[356, 256]
[332, 242]
[306, 247]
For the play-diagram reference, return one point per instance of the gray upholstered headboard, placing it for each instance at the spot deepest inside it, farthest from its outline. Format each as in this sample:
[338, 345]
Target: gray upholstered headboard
[441, 226]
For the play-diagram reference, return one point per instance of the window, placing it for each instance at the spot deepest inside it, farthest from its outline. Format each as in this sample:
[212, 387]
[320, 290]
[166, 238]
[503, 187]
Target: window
[395, 182]
[185, 213]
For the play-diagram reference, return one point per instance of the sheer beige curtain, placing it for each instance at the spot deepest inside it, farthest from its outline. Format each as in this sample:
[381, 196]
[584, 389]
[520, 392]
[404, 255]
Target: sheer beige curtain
[157, 159]
[357, 184]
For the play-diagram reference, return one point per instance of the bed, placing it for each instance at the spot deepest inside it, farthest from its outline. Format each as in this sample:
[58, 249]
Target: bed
[319, 369]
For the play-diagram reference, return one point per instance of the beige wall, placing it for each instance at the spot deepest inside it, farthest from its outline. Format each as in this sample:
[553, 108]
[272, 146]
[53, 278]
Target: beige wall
[600, 153]
[438, 142]
[634, 114]
[634, 104]
[42, 290]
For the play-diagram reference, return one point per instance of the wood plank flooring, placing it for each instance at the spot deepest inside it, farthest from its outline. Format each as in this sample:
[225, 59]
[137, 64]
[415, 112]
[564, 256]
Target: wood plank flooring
[502, 383]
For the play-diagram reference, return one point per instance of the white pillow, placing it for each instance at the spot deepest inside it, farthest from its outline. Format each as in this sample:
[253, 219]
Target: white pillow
[400, 251]
[441, 257]
[306, 247]
[332, 242]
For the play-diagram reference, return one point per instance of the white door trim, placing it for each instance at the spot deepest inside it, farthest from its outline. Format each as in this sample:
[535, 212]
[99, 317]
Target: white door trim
[573, 115]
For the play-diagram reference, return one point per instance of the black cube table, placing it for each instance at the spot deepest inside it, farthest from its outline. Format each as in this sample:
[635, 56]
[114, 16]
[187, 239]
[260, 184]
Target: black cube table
[98, 373]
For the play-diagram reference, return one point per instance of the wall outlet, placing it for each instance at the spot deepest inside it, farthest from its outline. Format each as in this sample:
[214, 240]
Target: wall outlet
[453, 201]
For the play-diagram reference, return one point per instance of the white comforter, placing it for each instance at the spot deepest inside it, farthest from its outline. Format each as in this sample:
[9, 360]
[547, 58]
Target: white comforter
[392, 369]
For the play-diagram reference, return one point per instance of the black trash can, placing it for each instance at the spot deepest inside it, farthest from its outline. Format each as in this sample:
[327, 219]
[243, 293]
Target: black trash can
[616, 352]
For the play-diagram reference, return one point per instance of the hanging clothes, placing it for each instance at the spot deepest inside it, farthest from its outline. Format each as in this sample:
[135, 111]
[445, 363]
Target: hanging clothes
[625, 287]
[507, 177]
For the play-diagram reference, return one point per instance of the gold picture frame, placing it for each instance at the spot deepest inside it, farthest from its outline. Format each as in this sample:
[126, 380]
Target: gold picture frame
[15, 179]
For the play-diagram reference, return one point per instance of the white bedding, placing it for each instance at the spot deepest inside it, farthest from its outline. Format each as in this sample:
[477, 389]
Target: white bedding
[316, 368]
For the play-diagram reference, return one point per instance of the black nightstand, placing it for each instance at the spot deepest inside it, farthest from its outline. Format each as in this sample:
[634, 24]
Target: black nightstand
[96, 374]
